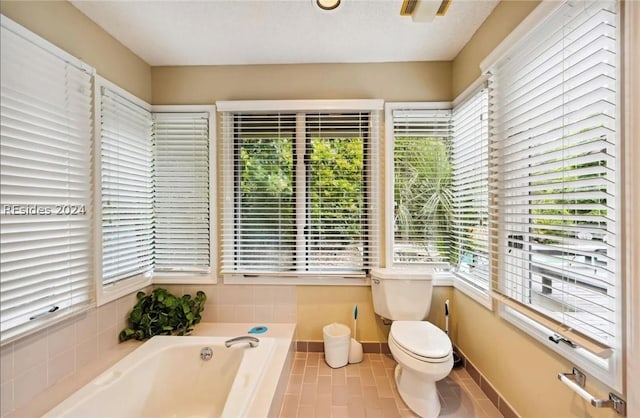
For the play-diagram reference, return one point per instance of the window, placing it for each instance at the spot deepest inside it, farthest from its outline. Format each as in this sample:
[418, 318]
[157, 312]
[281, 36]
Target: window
[470, 219]
[419, 158]
[45, 183]
[127, 194]
[300, 193]
[557, 184]
[154, 171]
[181, 192]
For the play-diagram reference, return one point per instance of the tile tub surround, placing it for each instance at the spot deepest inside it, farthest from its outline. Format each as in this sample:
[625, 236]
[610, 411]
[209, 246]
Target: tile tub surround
[368, 390]
[31, 365]
[243, 303]
[54, 394]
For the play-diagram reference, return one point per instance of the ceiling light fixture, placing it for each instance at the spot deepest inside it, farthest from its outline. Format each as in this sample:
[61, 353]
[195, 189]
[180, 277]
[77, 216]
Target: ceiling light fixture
[327, 4]
[424, 10]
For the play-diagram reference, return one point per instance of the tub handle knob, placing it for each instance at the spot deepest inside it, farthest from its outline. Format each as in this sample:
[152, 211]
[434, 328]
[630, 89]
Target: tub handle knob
[253, 341]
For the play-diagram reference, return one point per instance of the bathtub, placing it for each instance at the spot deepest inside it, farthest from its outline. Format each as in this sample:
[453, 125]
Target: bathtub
[165, 377]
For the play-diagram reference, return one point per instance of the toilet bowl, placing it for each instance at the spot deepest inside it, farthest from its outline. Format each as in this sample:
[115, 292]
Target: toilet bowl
[425, 356]
[422, 350]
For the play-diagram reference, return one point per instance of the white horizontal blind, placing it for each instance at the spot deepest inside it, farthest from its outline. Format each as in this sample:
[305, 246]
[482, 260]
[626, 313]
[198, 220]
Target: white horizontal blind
[337, 157]
[422, 185]
[260, 224]
[181, 203]
[298, 193]
[470, 151]
[554, 106]
[45, 184]
[127, 188]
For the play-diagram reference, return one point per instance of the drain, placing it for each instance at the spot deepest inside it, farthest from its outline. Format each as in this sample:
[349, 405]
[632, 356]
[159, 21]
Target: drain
[206, 353]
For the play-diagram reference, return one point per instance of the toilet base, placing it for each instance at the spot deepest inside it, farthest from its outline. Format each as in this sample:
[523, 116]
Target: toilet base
[420, 396]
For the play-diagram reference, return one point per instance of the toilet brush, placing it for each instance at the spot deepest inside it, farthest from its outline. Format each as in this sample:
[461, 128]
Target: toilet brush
[457, 361]
[355, 348]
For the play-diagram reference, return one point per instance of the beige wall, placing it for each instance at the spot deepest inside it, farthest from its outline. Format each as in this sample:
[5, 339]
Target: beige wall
[405, 81]
[66, 27]
[322, 305]
[504, 18]
[521, 369]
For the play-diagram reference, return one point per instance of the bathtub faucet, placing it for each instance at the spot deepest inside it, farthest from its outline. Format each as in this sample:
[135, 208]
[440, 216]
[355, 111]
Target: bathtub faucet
[253, 341]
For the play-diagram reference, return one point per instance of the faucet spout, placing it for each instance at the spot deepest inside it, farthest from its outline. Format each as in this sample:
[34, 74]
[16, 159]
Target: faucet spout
[253, 341]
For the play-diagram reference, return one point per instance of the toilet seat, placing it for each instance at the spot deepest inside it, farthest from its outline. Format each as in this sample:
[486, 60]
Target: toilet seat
[421, 340]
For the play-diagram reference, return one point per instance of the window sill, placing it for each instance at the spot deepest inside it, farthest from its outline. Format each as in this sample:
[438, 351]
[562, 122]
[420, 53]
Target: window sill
[297, 280]
[479, 296]
[184, 278]
[607, 371]
[111, 292]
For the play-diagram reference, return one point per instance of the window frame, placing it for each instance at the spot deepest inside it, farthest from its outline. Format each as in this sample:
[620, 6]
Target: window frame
[442, 274]
[481, 296]
[389, 181]
[300, 108]
[43, 319]
[110, 292]
[212, 276]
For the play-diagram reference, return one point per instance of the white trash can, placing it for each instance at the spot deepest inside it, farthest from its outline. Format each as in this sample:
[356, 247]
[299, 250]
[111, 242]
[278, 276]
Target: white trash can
[336, 344]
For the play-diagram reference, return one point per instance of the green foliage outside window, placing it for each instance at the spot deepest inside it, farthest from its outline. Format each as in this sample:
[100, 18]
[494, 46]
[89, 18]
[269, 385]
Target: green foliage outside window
[423, 195]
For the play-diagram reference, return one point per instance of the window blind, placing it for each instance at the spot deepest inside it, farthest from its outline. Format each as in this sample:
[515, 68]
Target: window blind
[181, 200]
[422, 192]
[260, 225]
[301, 186]
[339, 192]
[470, 218]
[127, 188]
[554, 107]
[45, 183]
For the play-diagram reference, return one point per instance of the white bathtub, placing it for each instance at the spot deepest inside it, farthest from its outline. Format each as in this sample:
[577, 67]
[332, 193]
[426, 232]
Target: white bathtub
[165, 377]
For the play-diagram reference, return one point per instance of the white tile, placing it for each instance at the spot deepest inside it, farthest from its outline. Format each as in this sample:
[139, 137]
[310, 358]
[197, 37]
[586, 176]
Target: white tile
[6, 363]
[6, 398]
[87, 352]
[60, 366]
[236, 294]
[124, 306]
[244, 313]
[29, 351]
[264, 295]
[264, 313]
[226, 313]
[61, 338]
[107, 340]
[212, 292]
[107, 317]
[87, 326]
[286, 313]
[285, 295]
[209, 314]
[29, 384]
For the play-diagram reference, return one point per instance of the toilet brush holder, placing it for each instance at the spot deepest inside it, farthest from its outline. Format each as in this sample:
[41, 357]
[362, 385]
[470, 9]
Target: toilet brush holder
[355, 352]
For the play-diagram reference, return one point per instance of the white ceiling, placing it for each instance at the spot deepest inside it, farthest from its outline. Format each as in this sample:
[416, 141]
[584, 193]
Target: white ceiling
[224, 32]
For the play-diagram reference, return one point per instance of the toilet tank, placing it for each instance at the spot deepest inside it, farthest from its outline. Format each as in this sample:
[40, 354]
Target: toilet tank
[401, 294]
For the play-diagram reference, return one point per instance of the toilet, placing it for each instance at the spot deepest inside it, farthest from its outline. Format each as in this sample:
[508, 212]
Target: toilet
[422, 350]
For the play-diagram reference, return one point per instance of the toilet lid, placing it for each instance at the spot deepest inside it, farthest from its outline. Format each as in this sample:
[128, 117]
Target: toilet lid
[421, 338]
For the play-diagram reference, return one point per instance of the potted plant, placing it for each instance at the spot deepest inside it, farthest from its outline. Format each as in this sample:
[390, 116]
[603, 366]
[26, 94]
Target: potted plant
[162, 313]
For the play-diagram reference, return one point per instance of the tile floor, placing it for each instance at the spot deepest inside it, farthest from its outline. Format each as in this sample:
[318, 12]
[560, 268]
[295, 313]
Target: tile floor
[367, 390]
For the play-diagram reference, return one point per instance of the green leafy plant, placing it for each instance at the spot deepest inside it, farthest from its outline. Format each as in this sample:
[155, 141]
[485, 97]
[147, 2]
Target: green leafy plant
[162, 313]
